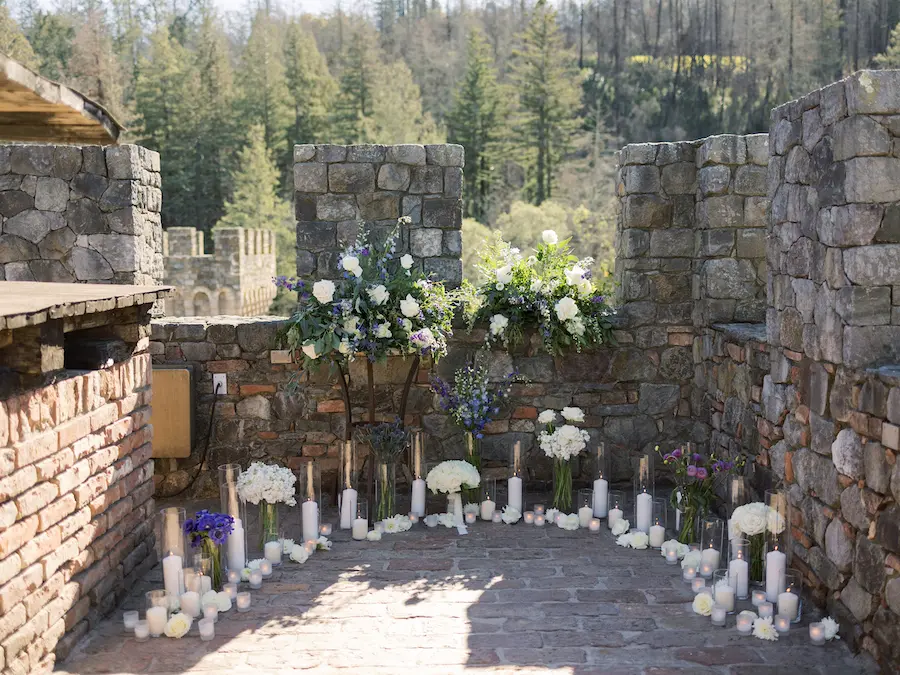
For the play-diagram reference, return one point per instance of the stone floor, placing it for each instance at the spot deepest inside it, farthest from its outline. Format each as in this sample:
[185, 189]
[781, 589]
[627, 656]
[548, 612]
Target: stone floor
[503, 599]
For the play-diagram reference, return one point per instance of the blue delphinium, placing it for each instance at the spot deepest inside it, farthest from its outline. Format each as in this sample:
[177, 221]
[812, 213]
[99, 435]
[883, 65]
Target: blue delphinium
[472, 401]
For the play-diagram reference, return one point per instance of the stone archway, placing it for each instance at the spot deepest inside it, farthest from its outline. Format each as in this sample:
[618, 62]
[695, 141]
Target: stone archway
[226, 302]
[202, 305]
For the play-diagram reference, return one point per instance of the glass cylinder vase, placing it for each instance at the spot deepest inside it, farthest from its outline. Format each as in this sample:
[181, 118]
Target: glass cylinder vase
[712, 537]
[311, 498]
[515, 484]
[777, 557]
[269, 522]
[232, 505]
[585, 506]
[348, 482]
[488, 498]
[385, 490]
[790, 600]
[643, 493]
[739, 567]
[659, 523]
[601, 481]
[471, 454]
[172, 548]
[616, 508]
[562, 485]
[417, 468]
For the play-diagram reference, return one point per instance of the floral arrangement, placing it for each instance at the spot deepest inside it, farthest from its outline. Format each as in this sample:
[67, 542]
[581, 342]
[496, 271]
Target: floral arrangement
[751, 522]
[551, 291]
[561, 445]
[323, 543]
[451, 476]
[208, 531]
[267, 485]
[510, 515]
[636, 540]
[695, 492]
[388, 440]
[380, 307]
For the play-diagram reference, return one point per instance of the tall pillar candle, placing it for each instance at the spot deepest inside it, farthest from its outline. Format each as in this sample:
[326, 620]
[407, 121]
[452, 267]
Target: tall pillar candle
[739, 575]
[601, 493]
[173, 579]
[514, 488]
[237, 557]
[644, 512]
[310, 511]
[348, 507]
[418, 497]
[776, 564]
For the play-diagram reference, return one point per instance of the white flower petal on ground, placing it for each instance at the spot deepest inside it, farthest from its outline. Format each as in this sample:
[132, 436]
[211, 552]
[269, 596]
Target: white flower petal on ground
[223, 601]
[550, 515]
[323, 291]
[764, 629]
[374, 535]
[691, 559]
[831, 628]
[703, 604]
[640, 540]
[568, 522]
[299, 554]
[323, 543]
[624, 540]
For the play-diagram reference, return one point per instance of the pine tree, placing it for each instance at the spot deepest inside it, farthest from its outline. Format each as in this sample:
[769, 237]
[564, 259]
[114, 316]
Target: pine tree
[891, 57]
[396, 114]
[255, 202]
[311, 85]
[51, 38]
[13, 42]
[360, 61]
[475, 122]
[548, 96]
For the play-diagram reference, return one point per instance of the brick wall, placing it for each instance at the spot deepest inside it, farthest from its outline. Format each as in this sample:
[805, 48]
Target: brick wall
[76, 507]
[80, 214]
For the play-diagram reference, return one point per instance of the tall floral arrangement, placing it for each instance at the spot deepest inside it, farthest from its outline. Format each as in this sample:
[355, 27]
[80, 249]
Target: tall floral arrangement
[551, 291]
[752, 522]
[208, 531]
[267, 485]
[561, 444]
[695, 481]
[451, 477]
[387, 440]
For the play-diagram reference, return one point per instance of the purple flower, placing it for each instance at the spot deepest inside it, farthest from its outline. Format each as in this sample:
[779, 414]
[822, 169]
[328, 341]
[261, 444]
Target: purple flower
[691, 470]
[696, 458]
[701, 473]
[676, 453]
[668, 458]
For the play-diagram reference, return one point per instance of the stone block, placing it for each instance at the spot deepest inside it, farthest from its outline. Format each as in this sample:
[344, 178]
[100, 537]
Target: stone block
[724, 149]
[680, 178]
[872, 179]
[17, 249]
[877, 470]
[453, 182]
[893, 405]
[847, 454]
[447, 269]
[51, 194]
[13, 202]
[887, 528]
[311, 177]
[750, 180]
[366, 153]
[336, 207]
[833, 106]
[715, 242]
[850, 225]
[864, 306]
[304, 153]
[331, 153]
[641, 179]
[55, 245]
[33, 225]
[315, 236]
[640, 153]
[816, 475]
[452, 242]
[871, 345]
[860, 136]
[729, 278]
[873, 265]
[124, 161]
[860, 603]
[427, 180]
[822, 433]
[868, 567]
[670, 288]
[839, 546]
[751, 243]
[425, 243]
[874, 91]
[634, 242]
[393, 177]
[442, 213]
[889, 229]
[445, 154]
[412, 208]
[378, 206]
[406, 154]
[721, 212]
[812, 128]
[758, 148]
[673, 243]
[784, 136]
[88, 265]
[756, 211]
[351, 178]
[647, 211]
[66, 162]
[798, 167]
[31, 160]
[714, 180]
[84, 217]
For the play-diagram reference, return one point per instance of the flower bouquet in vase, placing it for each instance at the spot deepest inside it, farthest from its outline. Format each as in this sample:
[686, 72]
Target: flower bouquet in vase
[754, 522]
[266, 486]
[388, 441]
[472, 401]
[695, 487]
[450, 478]
[561, 444]
[209, 532]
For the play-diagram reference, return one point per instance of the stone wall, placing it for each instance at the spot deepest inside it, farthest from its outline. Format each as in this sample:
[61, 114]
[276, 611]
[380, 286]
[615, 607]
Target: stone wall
[235, 280]
[70, 213]
[337, 187]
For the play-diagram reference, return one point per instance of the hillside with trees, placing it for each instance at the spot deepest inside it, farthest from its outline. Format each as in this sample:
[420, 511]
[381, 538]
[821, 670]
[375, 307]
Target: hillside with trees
[540, 95]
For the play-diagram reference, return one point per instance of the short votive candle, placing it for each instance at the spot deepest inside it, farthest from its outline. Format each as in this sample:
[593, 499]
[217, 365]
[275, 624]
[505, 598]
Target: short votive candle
[758, 598]
[431, 520]
[379, 527]
[231, 589]
[211, 611]
[782, 623]
[539, 520]
[538, 509]
[207, 629]
[689, 573]
[243, 602]
[129, 619]
[413, 517]
[745, 623]
[497, 517]
[719, 612]
[141, 630]
[706, 570]
[325, 529]
[256, 578]
[698, 584]
[817, 633]
[557, 517]
[266, 568]
[528, 517]
[310, 546]
[470, 518]
[766, 610]
[234, 577]
[672, 556]
[594, 525]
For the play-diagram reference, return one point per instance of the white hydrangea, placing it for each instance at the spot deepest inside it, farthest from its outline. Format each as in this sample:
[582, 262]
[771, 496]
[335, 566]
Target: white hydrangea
[564, 443]
[755, 518]
[451, 476]
[568, 522]
[267, 482]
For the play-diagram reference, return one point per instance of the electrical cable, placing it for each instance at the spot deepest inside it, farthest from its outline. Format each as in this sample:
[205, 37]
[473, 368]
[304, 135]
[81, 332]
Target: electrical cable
[209, 431]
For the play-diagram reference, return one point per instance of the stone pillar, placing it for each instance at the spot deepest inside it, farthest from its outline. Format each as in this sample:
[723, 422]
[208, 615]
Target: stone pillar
[337, 187]
[87, 214]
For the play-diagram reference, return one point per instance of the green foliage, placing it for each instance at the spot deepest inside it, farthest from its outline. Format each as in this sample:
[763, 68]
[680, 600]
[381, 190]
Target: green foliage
[474, 236]
[13, 42]
[357, 85]
[51, 38]
[396, 111]
[891, 57]
[311, 86]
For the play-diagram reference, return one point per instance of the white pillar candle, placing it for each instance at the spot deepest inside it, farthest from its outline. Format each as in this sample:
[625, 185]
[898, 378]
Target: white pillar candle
[711, 557]
[265, 566]
[418, 497]
[528, 517]
[782, 623]
[205, 583]
[243, 602]
[255, 579]
[644, 512]
[211, 611]
[613, 517]
[776, 562]
[585, 515]
[190, 604]
[156, 620]
[470, 518]
[141, 631]
[514, 491]
[725, 595]
[310, 510]
[788, 604]
[273, 551]
[361, 528]
[207, 630]
[601, 492]
[487, 509]
[739, 575]
[237, 556]
[657, 536]
[594, 525]
[348, 508]
[173, 579]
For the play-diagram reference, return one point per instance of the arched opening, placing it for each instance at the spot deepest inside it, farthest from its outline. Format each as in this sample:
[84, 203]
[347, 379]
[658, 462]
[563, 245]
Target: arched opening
[226, 306]
[201, 304]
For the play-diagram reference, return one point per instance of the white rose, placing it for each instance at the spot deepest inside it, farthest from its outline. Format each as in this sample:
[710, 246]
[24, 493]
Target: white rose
[549, 237]
[547, 417]
[406, 261]
[510, 515]
[624, 540]
[374, 535]
[208, 598]
[351, 264]
[310, 351]
[573, 414]
[378, 294]
[299, 554]
[223, 601]
[384, 331]
[498, 324]
[640, 540]
[344, 347]
[752, 519]
[691, 559]
[409, 307]
[536, 286]
[323, 543]
[566, 309]
[775, 521]
[178, 626]
[323, 291]
[504, 274]
[574, 276]
[621, 527]
[351, 325]
[703, 604]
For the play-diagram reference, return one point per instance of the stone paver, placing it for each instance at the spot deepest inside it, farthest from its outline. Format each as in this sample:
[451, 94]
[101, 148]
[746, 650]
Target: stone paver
[501, 600]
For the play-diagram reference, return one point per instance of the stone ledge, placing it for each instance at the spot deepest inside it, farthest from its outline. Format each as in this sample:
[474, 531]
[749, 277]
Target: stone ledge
[743, 331]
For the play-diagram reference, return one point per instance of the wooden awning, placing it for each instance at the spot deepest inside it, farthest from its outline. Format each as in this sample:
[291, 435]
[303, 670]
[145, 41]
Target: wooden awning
[35, 109]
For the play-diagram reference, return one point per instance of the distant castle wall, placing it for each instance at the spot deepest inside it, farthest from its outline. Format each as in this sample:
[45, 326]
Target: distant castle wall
[235, 280]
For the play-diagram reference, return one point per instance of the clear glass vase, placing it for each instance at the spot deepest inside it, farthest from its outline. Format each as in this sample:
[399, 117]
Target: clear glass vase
[214, 553]
[268, 522]
[385, 490]
[562, 485]
[234, 506]
[472, 454]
